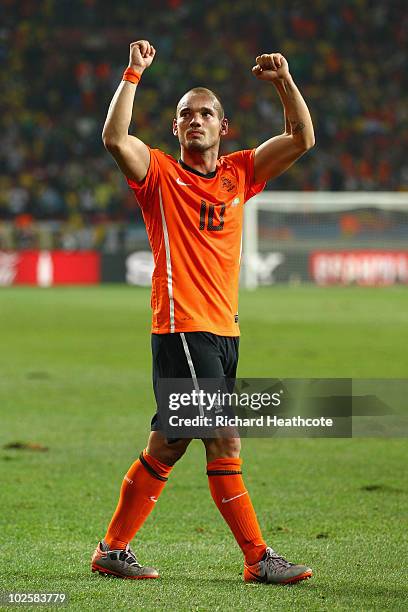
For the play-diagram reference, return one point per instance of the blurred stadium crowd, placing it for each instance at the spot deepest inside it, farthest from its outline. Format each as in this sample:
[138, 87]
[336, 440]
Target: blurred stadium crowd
[63, 59]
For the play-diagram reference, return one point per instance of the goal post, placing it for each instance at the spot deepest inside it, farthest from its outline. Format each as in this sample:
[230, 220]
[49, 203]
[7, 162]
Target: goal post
[285, 230]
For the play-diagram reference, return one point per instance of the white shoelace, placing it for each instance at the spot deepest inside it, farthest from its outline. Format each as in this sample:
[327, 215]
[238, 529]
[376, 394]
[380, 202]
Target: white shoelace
[275, 562]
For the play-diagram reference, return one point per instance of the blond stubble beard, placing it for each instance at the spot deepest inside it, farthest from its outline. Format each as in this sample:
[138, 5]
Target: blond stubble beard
[199, 147]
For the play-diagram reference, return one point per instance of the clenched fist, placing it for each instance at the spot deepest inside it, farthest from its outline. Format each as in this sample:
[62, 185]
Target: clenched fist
[141, 55]
[270, 67]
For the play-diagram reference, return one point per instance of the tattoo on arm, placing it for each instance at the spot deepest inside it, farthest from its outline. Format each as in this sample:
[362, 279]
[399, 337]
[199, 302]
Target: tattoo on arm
[298, 127]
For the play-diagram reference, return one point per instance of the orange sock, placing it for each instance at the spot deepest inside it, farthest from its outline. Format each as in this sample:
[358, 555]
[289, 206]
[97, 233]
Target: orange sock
[140, 491]
[233, 501]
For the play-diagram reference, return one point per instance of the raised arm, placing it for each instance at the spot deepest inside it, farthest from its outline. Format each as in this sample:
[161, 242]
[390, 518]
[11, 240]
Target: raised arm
[278, 153]
[130, 153]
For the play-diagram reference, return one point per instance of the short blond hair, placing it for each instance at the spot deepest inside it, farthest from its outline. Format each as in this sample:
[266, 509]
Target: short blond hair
[204, 90]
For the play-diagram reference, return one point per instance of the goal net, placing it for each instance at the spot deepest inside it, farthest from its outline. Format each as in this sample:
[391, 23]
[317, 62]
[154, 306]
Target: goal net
[326, 238]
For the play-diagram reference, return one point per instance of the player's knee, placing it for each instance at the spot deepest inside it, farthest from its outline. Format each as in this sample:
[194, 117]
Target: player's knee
[166, 452]
[218, 448]
[174, 451]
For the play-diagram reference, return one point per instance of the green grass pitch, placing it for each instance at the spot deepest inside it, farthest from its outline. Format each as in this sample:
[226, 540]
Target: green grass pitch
[75, 377]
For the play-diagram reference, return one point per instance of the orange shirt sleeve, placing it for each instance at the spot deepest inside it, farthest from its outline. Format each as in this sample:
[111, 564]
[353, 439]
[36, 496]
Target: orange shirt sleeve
[144, 190]
[244, 161]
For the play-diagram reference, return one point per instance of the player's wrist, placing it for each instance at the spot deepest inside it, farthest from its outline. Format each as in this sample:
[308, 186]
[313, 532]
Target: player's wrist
[136, 68]
[132, 74]
[281, 85]
[287, 79]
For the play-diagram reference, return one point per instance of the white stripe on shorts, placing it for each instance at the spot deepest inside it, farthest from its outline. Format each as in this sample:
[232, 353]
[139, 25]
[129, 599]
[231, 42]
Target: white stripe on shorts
[192, 370]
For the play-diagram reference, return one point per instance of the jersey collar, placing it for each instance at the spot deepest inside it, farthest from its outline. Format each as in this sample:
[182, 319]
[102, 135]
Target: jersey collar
[210, 175]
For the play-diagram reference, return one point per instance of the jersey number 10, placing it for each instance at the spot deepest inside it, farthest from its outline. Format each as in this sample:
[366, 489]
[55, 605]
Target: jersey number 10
[210, 225]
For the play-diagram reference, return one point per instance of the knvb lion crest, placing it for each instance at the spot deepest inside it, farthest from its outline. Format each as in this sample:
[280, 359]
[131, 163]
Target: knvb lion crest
[228, 183]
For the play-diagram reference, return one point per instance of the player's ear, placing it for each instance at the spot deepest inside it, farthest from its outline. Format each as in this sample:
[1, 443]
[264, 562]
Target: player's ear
[175, 127]
[224, 127]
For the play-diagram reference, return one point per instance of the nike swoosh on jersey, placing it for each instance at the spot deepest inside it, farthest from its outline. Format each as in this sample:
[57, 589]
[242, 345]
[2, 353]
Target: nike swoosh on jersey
[154, 499]
[225, 501]
[180, 182]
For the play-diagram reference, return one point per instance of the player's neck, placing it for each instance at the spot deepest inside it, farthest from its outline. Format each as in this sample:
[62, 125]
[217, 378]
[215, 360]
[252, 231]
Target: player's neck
[203, 162]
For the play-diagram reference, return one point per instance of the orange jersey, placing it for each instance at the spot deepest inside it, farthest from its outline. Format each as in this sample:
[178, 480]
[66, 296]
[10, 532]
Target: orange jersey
[194, 226]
